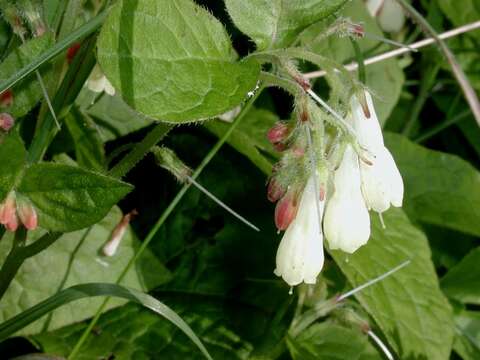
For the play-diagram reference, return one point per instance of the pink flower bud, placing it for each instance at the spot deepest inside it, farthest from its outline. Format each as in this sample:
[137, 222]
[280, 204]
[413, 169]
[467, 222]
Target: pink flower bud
[278, 133]
[286, 210]
[28, 215]
[6, 121]
[6, 98]
[12, 225]
[274, 190]
[72, 51]
[110, 248]
[8, 209]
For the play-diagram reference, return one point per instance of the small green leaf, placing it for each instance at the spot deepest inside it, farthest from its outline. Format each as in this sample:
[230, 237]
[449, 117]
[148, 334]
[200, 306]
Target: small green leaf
[440, 188]
[276, 23]
[76, 258]
[467, 342]
[462, 282]
[69, 198]
[28, 92]
[250, 137]
[89, 150]
[328, 341]
[12, 158]
[188, 73]
[408, 306]
[92, 290]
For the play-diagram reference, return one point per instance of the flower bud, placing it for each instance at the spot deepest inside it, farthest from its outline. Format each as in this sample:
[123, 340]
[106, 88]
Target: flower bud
[98, 82]
[27, 214]
[12, 225]
[8, 209]
[389, 14]
[278, 133]
[275, 190]
[6, 121]
[72, 51]
[168, 160]
[6, 98]
[110, 248]
[286, 210]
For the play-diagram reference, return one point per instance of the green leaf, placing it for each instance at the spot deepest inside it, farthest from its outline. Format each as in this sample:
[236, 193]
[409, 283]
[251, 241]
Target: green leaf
[408, 306]
[92, 290]
[69, 198]
[12, 158]
[277, 23]
[188, 73]
[328, 341]
[385, 79]
[462, 282]
[250, 137]
[461, 12]
[89, 150]
[27, 93]
[440, 188]
[130, 332]
[467, 342]
[73, 259]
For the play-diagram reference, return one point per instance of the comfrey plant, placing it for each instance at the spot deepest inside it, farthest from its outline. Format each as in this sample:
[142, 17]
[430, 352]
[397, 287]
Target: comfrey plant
[334, 169]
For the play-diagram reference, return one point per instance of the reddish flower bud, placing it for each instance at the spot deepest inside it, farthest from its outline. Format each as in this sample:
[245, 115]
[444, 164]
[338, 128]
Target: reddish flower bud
[8, 209]
[357, 29]
[72, 51]
[6, 98]
[286, 210]
[6, 121]
[277, 133]
[28, 215]
[110, 248]
[274, 190]
[12, 225]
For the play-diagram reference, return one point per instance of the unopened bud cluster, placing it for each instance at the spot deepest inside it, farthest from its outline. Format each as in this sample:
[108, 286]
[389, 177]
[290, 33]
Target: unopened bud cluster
[16, 210]
[326, 186]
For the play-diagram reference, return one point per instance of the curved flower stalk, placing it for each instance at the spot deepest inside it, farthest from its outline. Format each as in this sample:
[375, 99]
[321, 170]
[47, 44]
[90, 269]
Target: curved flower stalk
[382, 184]
[300, 254]
[347, 222]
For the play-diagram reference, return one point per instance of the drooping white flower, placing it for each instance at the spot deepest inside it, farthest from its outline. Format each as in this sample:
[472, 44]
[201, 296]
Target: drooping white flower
[389, 14]
[347, 222]
[382, 184]
[300, 254]
[98, 82]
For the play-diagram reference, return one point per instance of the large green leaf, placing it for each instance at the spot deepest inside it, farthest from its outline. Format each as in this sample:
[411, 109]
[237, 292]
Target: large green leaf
[440, 188]
[328, 341]
[172, 60]
[27, 93]
[385, 79]
[12, 158]
[73, 259]
[130, 332]
[93, 290]
[276, 23]
[250, 137]
[462, 282]
[69, 198]
[461, 12]
[408, 306]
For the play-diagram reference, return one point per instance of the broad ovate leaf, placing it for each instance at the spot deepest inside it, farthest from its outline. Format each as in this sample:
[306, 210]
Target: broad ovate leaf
[69, 198]
[76, 258]
[172, 60]
[276, 23]
[408, 306]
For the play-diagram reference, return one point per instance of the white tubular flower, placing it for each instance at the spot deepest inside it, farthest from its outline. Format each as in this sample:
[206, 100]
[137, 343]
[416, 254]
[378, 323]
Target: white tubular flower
[382, 184]
[98, 82]
[347, 222]
[300, 254]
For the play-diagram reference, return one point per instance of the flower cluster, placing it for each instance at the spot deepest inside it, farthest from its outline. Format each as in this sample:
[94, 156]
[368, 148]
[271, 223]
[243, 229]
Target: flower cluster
[15, 210]
[356, 176]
